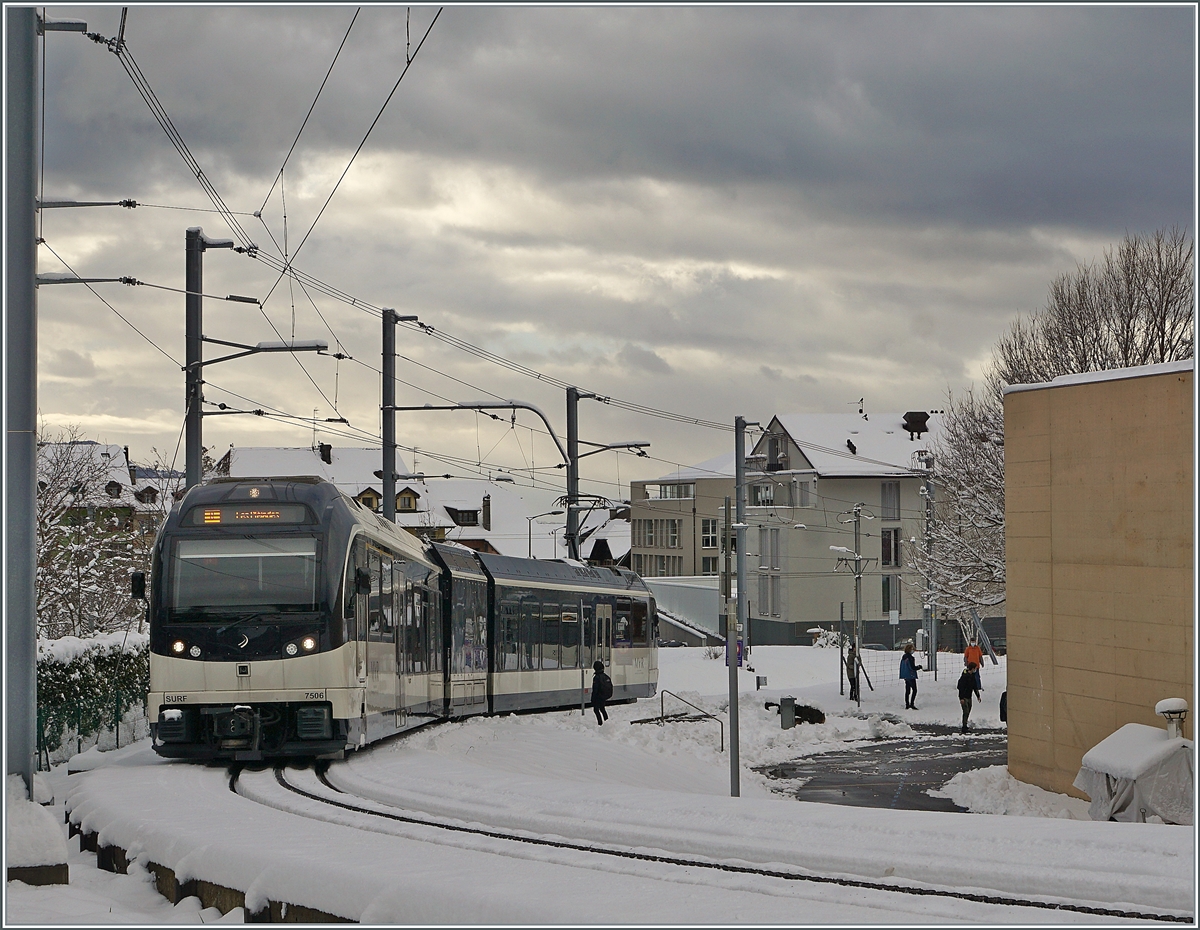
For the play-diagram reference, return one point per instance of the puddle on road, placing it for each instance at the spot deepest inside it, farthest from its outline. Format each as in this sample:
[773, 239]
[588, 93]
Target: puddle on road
[891, 773]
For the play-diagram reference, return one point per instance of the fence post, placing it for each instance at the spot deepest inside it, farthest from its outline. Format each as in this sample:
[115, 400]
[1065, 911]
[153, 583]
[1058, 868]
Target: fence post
[117, 718]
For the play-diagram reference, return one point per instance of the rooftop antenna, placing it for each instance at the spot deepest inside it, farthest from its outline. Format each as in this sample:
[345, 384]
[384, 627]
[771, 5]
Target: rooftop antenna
[859, 402]
[314, 442]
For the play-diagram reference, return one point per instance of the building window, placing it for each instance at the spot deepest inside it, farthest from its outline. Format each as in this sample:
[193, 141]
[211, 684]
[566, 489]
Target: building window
[891, 594]
[764, 547]
[710, 565]
[676, 492]
[889, 553]
[762, 495]
[708, 533]
[775, 598]
[764, 595]
[889, 500]
[406, 502]
[672, 534]
[804, 493]
[774, 548]
[463, 517]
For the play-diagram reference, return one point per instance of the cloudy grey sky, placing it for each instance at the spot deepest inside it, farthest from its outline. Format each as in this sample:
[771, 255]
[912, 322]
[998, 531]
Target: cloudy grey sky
[712, 211]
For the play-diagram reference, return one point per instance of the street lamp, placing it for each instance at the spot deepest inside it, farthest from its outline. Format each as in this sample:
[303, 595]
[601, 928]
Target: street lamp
[529, 528]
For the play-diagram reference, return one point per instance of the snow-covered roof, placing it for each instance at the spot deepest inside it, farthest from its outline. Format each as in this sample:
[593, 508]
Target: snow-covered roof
[351, 469]
[1113, 374]
[722, 466]
[1133, 750]
[882, 446]
[109, 464]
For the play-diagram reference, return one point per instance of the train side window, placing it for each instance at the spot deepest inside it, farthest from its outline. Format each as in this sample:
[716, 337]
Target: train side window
[570, 635]
[550, 636]
[638, 626]
[621, 622]
[531, 633]
[458, 615]
[382, 628]
[479, 618]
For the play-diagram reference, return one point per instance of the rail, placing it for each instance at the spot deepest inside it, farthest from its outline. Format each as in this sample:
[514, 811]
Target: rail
[662, 712]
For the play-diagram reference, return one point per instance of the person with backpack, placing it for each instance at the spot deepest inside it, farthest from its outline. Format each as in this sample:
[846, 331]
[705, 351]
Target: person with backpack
[967, 687]
[908, 672]
[602, 690]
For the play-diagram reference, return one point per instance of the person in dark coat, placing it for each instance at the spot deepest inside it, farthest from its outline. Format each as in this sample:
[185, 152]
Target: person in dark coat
[908, 671]
[602, 689]
[852, 671]
[967, 687]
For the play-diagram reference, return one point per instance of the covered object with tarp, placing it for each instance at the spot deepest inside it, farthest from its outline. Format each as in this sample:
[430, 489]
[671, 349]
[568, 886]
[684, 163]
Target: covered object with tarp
[1139, 772]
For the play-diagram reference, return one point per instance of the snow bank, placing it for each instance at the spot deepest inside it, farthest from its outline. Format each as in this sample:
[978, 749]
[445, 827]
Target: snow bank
[32, 835]
[992, 790]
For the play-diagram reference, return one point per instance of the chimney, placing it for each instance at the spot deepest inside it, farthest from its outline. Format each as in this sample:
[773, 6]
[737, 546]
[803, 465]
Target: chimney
[132, 470]
[326, 451]
[486, 515]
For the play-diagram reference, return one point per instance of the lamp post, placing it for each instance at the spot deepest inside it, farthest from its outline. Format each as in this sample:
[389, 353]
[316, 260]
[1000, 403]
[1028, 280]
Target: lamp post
[529, 527]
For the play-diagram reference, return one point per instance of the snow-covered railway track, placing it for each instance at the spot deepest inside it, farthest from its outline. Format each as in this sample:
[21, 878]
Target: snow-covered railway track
[390, 819]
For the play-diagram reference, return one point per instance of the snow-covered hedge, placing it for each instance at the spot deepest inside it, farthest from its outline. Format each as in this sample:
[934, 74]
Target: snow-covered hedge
[828, 639]
[81, 681]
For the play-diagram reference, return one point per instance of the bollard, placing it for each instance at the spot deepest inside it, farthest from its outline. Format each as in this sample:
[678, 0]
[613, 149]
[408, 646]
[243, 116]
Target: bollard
[787, 712]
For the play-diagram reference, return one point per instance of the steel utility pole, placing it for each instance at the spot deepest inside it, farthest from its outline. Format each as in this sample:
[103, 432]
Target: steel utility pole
[739, 491]
[735, 789]
[390, 319]
[571, 536]
[22, 26]
[20, 233]
[195, 244]
[389, 414]
[929, 620]
[858, 594]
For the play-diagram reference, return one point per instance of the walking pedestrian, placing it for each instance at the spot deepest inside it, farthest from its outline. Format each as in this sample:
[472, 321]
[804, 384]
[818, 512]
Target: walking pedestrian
[973, 654]
[967, 687]
[852, 671]
[908, 672]
[602, 689]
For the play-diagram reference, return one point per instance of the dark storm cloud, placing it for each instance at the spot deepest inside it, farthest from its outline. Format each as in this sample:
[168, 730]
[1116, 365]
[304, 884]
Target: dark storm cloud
[979, 116]
[753, 210]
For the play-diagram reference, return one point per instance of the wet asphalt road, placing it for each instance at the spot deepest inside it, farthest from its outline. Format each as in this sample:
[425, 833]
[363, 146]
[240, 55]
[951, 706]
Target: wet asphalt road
[892, 773]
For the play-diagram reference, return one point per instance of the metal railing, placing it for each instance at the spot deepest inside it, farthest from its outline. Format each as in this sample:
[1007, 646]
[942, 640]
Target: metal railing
[662, 712]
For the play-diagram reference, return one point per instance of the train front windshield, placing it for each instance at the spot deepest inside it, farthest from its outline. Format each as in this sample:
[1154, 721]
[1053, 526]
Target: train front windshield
[225, 575]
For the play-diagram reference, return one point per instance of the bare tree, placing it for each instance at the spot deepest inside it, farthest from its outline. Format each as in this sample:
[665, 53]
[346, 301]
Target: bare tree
[87, 543]
[1135, 307]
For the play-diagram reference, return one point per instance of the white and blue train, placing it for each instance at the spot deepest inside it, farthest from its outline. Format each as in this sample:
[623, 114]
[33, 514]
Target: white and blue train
[286, 620]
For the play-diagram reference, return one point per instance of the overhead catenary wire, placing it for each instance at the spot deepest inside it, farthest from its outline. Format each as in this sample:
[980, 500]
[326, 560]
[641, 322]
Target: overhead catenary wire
[285, 267]
[300, 131]
[366, 136]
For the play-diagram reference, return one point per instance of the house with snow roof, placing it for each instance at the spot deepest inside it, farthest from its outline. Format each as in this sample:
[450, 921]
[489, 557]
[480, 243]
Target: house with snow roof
[807, 469]
[98, 480]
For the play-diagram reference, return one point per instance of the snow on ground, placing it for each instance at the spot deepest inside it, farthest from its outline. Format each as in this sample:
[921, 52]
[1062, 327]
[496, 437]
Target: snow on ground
[621, 784]
[992, 790]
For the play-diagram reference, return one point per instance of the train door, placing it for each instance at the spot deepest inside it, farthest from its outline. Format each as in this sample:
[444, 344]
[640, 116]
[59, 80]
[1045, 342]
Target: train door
[604, 614]
[356, 611]
[379, 643]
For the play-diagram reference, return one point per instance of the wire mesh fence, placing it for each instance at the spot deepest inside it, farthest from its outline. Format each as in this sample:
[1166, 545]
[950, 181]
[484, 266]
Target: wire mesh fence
[114, 718]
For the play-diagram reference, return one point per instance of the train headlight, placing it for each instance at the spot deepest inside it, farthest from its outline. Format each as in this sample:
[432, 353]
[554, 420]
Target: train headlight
[309, 643]
[291, 649]
[177, 647]
[194, 652]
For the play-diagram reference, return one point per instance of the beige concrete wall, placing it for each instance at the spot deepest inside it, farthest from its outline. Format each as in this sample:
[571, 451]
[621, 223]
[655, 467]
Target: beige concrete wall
[1099, 539]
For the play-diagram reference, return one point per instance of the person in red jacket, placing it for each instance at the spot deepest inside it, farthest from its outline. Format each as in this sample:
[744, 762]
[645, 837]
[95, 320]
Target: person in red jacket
[973, 655]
